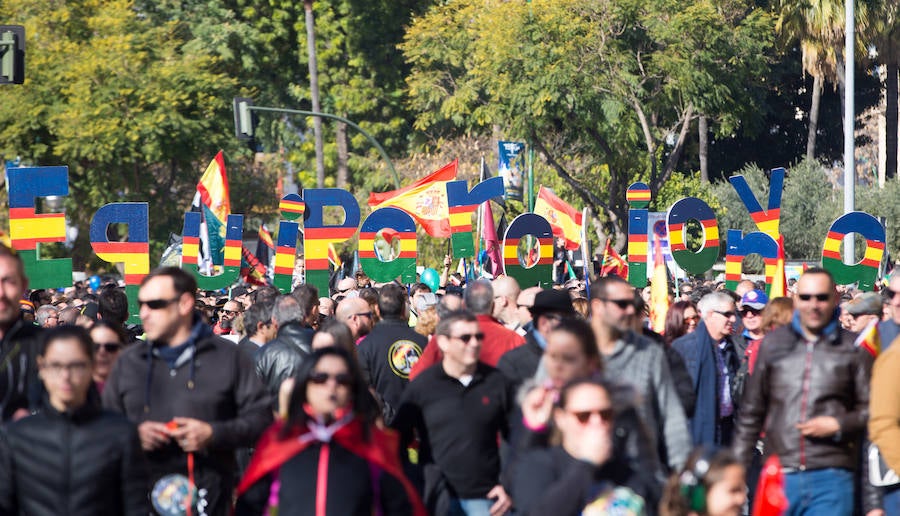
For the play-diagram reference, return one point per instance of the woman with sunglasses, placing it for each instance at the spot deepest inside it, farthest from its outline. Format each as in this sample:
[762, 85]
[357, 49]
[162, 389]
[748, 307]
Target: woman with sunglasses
[583, 474]
[72, 457]
[328, 457]
[681, 319]
[108, 342]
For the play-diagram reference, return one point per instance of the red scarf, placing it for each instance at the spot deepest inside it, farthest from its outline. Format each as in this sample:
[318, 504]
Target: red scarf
[381, 449]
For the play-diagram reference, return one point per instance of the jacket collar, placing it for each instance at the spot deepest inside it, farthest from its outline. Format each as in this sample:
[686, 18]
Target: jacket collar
[831, 330]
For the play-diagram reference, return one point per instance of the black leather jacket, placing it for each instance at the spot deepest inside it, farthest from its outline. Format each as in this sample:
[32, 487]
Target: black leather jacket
[82, 463]
[280, 358]
[794, 381]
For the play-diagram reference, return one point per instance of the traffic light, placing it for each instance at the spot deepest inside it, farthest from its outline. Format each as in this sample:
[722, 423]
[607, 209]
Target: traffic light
[12, 54]
[243, 118]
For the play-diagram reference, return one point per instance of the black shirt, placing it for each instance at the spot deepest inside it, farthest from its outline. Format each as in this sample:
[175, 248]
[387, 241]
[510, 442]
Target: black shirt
[457, 425]
[386, 356]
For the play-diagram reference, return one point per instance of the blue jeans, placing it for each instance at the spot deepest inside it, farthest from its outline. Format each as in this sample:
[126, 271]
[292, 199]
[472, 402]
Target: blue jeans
[826, 492]
[891, 501]
[470, 507]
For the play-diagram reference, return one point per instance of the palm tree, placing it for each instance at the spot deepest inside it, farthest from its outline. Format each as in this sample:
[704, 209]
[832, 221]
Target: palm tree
[819, 27]
[881, 31]
[314, 93]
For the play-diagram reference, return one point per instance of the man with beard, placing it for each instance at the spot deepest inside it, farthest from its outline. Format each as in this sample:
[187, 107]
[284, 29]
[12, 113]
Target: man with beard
[18, 340]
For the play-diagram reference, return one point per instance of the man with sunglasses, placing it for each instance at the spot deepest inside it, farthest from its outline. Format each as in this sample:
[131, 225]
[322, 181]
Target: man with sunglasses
[633, 359]
[457, 408]
[712, 354]
[751, 307]
[194, 395]
[809, 393]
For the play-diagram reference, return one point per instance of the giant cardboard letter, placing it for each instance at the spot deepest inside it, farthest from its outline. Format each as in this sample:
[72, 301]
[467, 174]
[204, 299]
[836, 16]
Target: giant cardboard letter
[134, 253]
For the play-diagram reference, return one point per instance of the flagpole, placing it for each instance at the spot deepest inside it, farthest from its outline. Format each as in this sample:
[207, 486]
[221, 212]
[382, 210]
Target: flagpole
[585, 248]
[530, 178]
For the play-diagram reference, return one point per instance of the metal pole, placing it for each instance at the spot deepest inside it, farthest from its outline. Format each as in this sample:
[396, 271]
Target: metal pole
[849, 157]
[314, 93]
[368, 136]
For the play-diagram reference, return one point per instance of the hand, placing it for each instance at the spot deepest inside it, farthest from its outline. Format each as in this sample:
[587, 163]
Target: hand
[503, 503]
[191, 434]
[448, 261]
[820, 426]
[153, 435]
[537, 407]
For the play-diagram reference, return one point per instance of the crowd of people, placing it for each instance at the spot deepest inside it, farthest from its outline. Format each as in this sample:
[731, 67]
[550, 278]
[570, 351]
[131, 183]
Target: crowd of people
[474, 398]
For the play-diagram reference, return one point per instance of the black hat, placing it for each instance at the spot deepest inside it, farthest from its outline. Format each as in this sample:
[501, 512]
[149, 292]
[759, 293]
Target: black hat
[549, 300]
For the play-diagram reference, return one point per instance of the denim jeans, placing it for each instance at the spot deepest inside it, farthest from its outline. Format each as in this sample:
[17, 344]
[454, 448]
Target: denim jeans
[470, 507]
[826, 492]
[891, 501]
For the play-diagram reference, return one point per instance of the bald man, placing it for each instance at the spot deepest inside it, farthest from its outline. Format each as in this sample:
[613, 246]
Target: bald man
[356, 313]
[523, 309]
[506, 292]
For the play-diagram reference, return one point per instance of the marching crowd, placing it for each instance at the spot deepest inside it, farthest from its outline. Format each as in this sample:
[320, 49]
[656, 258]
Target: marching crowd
[475, 398]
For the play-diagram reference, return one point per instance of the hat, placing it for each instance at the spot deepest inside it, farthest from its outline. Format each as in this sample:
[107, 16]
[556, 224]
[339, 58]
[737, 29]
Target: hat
[425, 301]
[549, 300]
[90, 310]
[756, 299]
[868, 303]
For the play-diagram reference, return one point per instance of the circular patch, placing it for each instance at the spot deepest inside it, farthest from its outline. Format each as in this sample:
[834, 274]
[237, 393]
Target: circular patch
[402, 356]
[170, 495]
[292, 206]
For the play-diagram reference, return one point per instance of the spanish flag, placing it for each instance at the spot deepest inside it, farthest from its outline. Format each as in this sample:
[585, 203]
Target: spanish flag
[213, 201]
[564, 219]
[659, 290]
[425, 200]
[613, 263]
[869, 339]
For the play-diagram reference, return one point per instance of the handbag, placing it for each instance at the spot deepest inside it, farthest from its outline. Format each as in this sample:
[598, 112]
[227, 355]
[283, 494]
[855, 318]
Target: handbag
[880, 475]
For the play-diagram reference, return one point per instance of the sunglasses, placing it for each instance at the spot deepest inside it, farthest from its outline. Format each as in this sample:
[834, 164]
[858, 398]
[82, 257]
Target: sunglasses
[109, 347]
[467, 337]
[892, 293]
[749, 311]
[157, 304]
[728, 315]
[322, 378]
[819, 297]
[584, 416]
[692, 319]
[231, 312]
[621, 303]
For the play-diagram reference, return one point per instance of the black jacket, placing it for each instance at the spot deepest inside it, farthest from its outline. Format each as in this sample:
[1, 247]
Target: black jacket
[87, 462]
[521, 363]
[212, 381]
[280, 358]
[793, 382]
[19, 387]
[386, 357]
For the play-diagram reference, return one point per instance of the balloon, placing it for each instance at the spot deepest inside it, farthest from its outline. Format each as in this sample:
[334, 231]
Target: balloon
[94, 282]
[431, 278]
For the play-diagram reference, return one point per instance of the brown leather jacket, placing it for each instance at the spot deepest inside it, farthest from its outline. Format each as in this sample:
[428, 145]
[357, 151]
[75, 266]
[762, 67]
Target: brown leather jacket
[793, 382]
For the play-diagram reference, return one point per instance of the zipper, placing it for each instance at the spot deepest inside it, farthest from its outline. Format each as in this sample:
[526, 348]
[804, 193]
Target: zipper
[67, 464]
[807, 369]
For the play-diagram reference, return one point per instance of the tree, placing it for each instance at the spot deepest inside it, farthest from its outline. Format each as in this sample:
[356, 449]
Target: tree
[605, 91]
[881, 29]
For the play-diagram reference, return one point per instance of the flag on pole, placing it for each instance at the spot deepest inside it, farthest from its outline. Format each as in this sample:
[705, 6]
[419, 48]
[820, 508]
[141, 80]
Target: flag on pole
[613, 263]
[659, 291]
[425, 200]
[265, 247]
[779, 281]
[252, 270]
[213, 202]
[491, 241]
[770, 499]
[333, 258]
[565, 220]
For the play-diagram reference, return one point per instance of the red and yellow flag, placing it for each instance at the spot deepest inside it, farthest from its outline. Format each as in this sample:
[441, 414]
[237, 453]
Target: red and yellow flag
[869, 339]
[779, 280]
[425, 200]
[564, 219]
[613, 263]
[659, 290]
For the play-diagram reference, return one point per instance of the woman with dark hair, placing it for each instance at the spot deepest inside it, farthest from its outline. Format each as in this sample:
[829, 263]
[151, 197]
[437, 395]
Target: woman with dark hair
[72, 457]
[108, 342]
[711, 484]
[583, 474]
[681, 319]
[328, 457]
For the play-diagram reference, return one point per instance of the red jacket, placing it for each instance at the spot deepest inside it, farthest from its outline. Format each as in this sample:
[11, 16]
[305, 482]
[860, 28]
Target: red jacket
[498, 339]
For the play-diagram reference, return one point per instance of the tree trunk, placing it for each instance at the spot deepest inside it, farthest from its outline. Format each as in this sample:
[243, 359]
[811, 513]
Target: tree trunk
[891, 120]
[340, 140]
[703, 137]
[818, 81]
[314, 93]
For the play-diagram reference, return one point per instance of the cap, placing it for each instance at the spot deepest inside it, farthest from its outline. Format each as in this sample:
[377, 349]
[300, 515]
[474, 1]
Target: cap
[425, 301]
[868, 303]
[756, 299]
[550, 300]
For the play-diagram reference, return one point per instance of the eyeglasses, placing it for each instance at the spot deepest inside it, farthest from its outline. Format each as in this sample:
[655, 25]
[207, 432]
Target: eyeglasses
[157, 304]
[621, 303]
[584, 416]
[467, 337]
[109, 347]
[746, 312]
[73, 368]
[320, 378]
[728, 315]
[230, 312]
[819, 297]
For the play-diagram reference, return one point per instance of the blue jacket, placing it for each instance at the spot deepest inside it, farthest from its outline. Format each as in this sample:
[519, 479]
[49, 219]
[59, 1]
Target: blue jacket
[697, 349]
